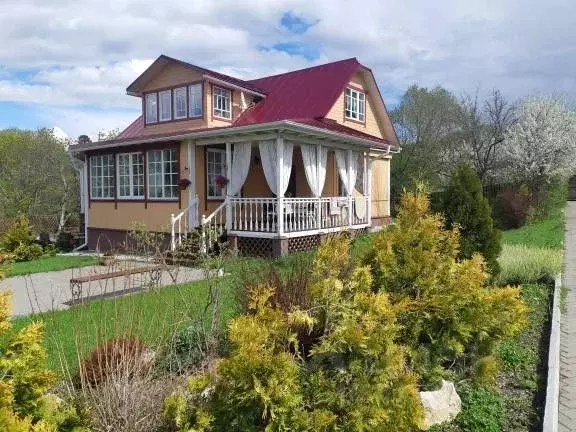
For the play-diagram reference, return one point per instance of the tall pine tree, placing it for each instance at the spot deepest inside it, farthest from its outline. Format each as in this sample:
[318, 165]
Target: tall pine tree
[465, 205]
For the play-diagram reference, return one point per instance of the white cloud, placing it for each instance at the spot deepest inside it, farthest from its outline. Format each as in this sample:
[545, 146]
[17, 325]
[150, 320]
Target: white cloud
[85, 53]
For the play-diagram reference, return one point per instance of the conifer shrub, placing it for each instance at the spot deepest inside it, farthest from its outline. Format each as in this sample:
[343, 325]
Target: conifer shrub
[466, 207]
[25, 380]
[353, 376]
[450, 317]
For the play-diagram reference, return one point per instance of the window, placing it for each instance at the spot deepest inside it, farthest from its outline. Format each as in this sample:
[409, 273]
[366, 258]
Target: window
[165, 105]
[180, 108]
[130, 175]
[151, 108]
[222, 103]
[354, 104]
[162, 174]
[195, 92]
[102, 176]
[215, 167]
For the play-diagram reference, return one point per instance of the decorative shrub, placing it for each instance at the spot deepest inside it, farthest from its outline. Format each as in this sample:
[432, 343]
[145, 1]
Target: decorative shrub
[466, 207]
[19, 233]
[27, 252]
[353, 378]
[513, 207]
[449, 317]
[119, 356]
[65, 241]
[25, 378]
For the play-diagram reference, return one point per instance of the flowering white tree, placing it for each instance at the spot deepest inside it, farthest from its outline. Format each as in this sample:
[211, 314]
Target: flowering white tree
[542, 143]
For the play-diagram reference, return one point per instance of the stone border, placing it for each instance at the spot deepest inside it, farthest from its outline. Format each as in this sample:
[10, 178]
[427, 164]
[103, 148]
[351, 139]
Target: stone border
[550, 423]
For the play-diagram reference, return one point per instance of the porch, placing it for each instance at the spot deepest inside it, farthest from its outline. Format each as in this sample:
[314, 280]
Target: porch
[281, 186]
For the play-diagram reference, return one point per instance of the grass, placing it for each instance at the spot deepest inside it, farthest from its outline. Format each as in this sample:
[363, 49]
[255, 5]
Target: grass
[47, 264]
[152, 316]
[548, 232]
[522, 264]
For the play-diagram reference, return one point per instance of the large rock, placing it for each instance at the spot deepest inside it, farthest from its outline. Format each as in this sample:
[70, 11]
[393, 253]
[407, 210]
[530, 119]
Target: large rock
[440, 405]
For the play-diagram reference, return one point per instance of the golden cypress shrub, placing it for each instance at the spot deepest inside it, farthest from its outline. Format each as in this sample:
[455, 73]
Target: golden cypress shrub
[449, 315]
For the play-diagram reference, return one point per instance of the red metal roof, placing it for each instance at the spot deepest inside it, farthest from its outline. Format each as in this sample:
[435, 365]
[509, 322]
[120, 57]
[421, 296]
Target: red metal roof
[306, 93]
[303, 96]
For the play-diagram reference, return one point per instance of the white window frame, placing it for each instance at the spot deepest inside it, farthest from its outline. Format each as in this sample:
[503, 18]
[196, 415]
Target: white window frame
[162, 105]
[213, 176]
[163, 184]
[147, 108]
[222, 104]
[355, 104]
[192, 99]
[131, 176]
[97, 164]
[183, 91]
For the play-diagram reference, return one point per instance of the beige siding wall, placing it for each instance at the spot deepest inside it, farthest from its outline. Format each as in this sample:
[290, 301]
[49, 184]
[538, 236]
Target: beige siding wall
[372, 126]
[380, 188]
[123, 214]
[173, 75]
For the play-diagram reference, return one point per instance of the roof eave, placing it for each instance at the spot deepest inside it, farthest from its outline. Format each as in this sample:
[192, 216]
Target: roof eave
[227, 131]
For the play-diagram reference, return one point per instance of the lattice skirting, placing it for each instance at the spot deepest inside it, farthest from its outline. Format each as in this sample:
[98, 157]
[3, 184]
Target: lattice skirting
[255, 247]
[301, 244]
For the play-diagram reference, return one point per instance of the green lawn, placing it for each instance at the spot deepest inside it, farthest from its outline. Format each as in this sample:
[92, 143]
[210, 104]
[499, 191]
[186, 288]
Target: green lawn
[152, 316]
[47, 264]
[548, 232]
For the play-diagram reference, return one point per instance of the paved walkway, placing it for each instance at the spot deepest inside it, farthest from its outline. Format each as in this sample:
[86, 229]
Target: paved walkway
[567, 405]
[40, 292]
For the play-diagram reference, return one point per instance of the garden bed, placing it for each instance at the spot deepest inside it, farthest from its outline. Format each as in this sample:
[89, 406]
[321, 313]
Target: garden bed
[516, 403]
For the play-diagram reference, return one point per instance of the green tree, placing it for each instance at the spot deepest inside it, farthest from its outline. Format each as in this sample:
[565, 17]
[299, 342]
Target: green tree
[465, 206]
[36, 175]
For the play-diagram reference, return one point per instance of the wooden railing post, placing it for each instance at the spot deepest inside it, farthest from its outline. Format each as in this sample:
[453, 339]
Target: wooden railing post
[203, 247]
[229, 176]
[350, 189]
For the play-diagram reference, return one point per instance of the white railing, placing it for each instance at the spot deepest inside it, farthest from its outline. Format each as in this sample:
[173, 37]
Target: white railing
[254, 214]
[179, 230]
[213, 226]
[299, 214]
[180, 224]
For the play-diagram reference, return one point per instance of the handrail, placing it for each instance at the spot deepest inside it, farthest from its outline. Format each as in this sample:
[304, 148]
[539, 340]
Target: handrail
[177, 220]
[207, 219]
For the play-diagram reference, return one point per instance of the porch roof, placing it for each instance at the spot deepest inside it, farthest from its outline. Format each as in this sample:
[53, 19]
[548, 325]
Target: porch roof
[325, 128]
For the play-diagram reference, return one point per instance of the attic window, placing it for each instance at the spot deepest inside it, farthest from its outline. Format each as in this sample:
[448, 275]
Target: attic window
[222, 103]
[354, 105]
[151, 108]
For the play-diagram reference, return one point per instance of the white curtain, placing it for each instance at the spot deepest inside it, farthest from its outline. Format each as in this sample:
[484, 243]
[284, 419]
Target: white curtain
[314, 158]
[240, 167]
[344, 165]
[269, 163]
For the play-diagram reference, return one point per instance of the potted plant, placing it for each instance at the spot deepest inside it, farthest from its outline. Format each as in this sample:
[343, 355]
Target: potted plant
[183, 183]
[107, 259]
[222, 181]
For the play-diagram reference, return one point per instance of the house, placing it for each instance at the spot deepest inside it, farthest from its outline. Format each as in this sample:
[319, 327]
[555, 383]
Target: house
[273, 163]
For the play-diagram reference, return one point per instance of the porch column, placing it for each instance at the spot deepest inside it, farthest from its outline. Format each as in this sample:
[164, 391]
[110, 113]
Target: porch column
[228, 176]
[192, 197]
[279, 186]
[368, 187]
[350, 188]
[319, 199]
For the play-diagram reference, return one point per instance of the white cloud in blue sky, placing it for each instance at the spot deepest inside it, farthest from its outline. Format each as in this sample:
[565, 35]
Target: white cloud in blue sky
[68, 63]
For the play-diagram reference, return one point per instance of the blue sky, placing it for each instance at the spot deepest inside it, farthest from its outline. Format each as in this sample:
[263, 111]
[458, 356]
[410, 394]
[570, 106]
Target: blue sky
[68, 64]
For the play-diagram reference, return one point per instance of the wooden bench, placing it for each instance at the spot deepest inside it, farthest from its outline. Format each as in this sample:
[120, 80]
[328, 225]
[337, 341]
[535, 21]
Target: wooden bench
[76, 283]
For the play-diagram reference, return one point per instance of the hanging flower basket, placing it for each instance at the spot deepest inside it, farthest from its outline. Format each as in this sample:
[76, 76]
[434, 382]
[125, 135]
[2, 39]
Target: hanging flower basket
[184, 183]
[222, 181]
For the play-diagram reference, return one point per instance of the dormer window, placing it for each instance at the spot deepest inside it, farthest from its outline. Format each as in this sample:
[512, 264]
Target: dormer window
[355, 105]
[151, 108]
[222, 103]
[165, 105]
[178, 103]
